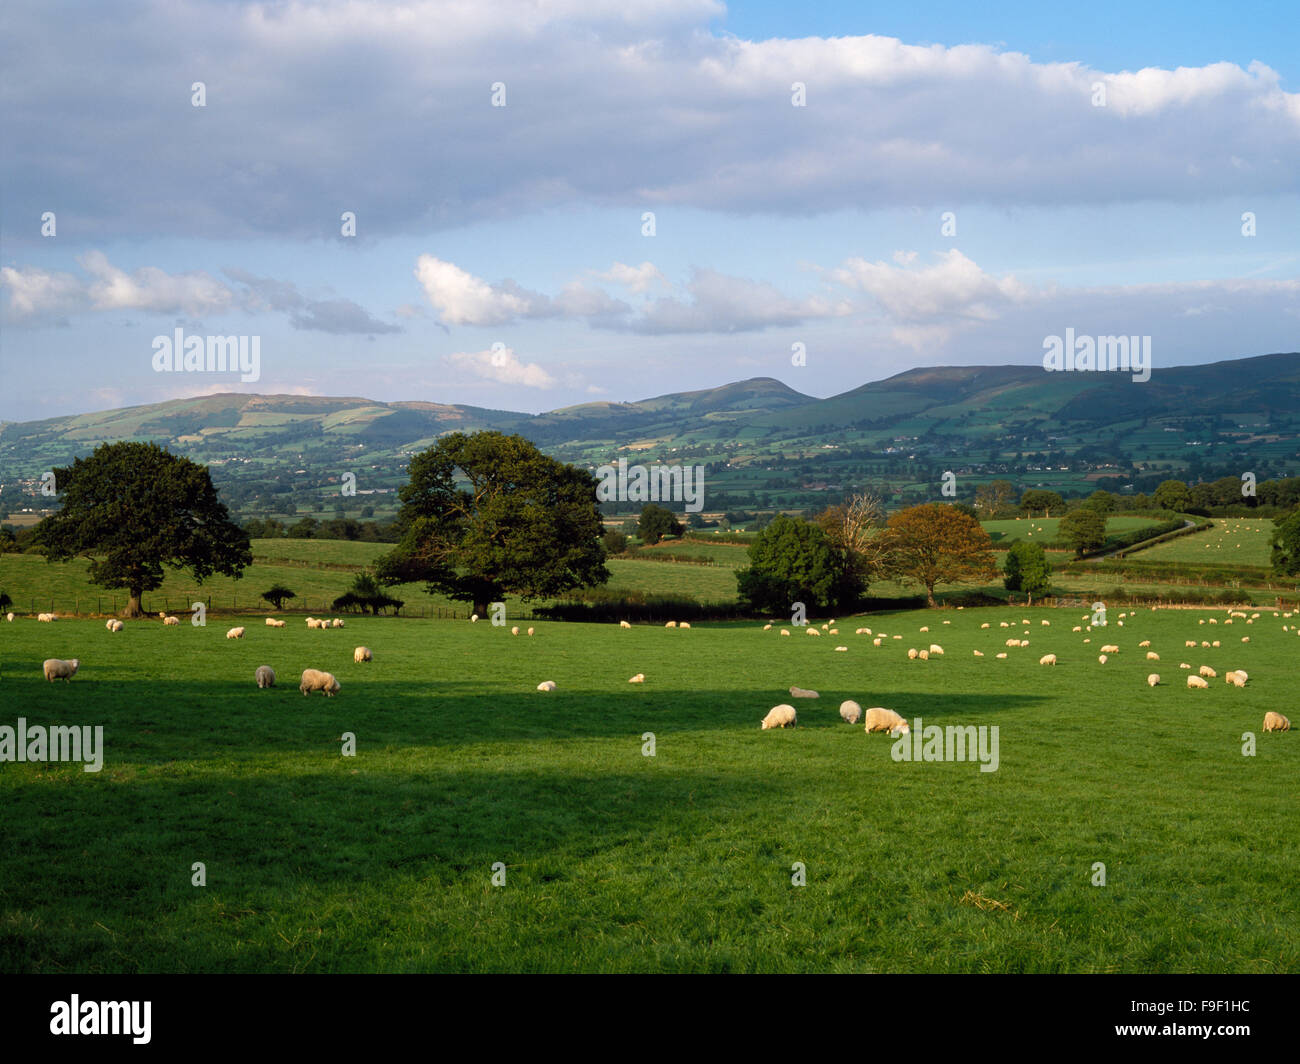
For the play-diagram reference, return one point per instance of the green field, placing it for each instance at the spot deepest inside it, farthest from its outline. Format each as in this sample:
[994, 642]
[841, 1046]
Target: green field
[617, 861]
[1046, 528]
[1232, 541]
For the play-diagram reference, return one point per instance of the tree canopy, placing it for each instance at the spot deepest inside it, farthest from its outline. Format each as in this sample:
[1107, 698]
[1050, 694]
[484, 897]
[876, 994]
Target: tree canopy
[522, 524]
[1083, 531]
[1036, 499]
[657, 522]
[1026, 569]
[791, 561]
[935, 544]
[1286, 546]
[133, 508]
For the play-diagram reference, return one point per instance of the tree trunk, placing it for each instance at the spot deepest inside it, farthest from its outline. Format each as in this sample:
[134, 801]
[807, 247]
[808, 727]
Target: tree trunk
[133, 604]
[929, 594]
[481, 608]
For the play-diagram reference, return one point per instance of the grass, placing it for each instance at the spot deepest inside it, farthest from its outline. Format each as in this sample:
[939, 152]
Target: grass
[1047, 528]
[1232, 541]
[620, 862]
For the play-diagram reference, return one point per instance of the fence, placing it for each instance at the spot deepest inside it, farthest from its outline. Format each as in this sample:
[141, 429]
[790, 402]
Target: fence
[152, 605]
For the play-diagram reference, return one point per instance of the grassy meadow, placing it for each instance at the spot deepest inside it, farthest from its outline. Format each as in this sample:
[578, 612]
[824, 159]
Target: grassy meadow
[616, 861]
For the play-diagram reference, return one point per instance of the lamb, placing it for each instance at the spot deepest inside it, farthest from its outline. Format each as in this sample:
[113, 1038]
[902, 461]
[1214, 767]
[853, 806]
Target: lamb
[850, 712]
[109, 624]
[1076, 628]
[638, 678]
[877, 641]
[315, 680]
[58, 669]
[935, 648]
[10, 617]
[799, 692]
[1024, 642]
[880, 719]
[1183, 665]
[1215, 643]
[1047, 659]
[782, 716]
[546, 685]
[1245, 639]
[1276, 722]
[1196, 681]
[1152, 656]
[1045, 623]
[362, 654]
[1153, 679]
[171, 622]
[1207, 671]
[925, 628]
[621, 624]
[235, 633]
[768, 628]
[265, 676]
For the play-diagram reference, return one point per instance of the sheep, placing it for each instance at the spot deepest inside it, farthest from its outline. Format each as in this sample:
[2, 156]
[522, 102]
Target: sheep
[1013, 642]
[1276, 722]
[1046, 623]
[1144, 643]
[1087, 640]
[58, 669]
[833, 631]
[337, 623]
[270, 622]
[1234, 678]
[825, 626]
[850, 712]
[638, 678]
[1024, 642]
[362, 654]
[799, 692]
[684, 624]
[315, 680]
[768, 628]
[265, 676]
[841, 649]
[1153, 679]
[782, 716]
[935, 648]
[1004, 624]
[45, 618]
[1205, 670]
[1002, 655]
[925, 628]
[911, 654]
[1183, 665]
[1077, 628]
[473, 618]
[546, 685]
[10, 618]
[1152, 656]
[1196, 681]
[235, 633]
[1245, 639]
[114, 625]
[621, 624]
[531, 630]
[109, 624]
[171, 622]
[785, 631]
[877, 641]
[1189, 642]
[985, 624]
[1102, 659]
[979, 653]
[1047, 659]
[671, 624]
[1205, 644]
[1110, 649]
[514, 630]
[924, 655]
[1215, 643]
[1242, 673]
[880, 719]
[813, 631]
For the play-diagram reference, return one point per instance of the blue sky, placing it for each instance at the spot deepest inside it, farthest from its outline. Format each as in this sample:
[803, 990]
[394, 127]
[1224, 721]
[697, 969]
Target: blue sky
[948, 190]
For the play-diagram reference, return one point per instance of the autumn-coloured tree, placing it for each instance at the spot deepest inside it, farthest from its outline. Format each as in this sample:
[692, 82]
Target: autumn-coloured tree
[937, 544]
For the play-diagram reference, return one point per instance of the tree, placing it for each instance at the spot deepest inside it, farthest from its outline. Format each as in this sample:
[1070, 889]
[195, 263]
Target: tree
[366, 594]
[277, 595]
[526, 525]
[133, 508]
[791, 561]
[657, 522]
[1083, 530]
[994, 497]
[855, 529]
[304, 529]
[614, 541]
[1286, 546]
[1103, 502]
[936, 544]
[1038, 499]
[1026, 569]
[1172, 495]
[5, 600]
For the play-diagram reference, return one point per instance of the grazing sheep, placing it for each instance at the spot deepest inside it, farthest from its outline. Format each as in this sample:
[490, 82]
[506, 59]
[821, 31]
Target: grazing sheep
[985, 624]
[45, 618]
[671, 624]
[1189, 642]
[171, 622]
[530, 631]
[1215, 643]
[877, 641]
[1196, 681]
[782, 716]
[935, 648]
[1013, 642]
[1276, 722]
[979, 653]
[337, 623]
[1205, 670]
[1183, 665]
[265, 676]
[785, 631]
[1076, 628]
[833, 631]
[315, 680]
[514, 630]
[1152, 656]
[813, 631]
[911, 654]
[109, 624]
[1003, 624]
[1087, 640]
[1245, 639]
[799, 692]
[270, 622]
[1047, 659]
[925, 628]
[1234, 678]
[1024, 642]
[841, 649]
[9, 617]
[114, 625]
[278, 624]
[1242, 673]
[621, 624]
[362, 654]
[1002, 655]
[1102, 659]
[235, 633]
[58, 669]
[1046, 624]
[880, 719]
[546, 685]
[924, 655]
[1110, 649]
[1145, 643]
[638, 678]
[1205, 643]
[1153, 679]
[684, 624]
[473, 618]
[850, 712]
[768, 628]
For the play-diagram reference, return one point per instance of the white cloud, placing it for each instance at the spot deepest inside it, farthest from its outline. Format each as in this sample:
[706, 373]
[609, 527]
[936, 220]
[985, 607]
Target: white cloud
[953, 288]
[460, 298]
[500, 365]
[636, 279]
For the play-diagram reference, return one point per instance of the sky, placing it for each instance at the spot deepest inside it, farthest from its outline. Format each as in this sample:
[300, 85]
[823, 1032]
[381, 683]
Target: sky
[529, 205]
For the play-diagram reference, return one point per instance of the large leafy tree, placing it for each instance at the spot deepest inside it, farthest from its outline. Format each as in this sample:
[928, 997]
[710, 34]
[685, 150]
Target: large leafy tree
[132, 508]
[1172, 495]
[485, 515]
[1040, 499]
[1286, 546]
[1026, 569]
[1083, 530]
[791, 561]
[937, 544]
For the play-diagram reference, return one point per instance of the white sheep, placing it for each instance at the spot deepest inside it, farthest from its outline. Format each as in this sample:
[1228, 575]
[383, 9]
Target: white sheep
[362, 654]
[1145, 643]
[877, 641]
[813, 631]
[1047, 659]
[109, 624]
[514, 630]
[850, 712]
[235, 633]
[337, 622]
[270, 622]
[785, 631]
[1205, 670]
[1234, 678]
[1152, 656]
[1102, 659]
[9, 617]
[979, 653]
[473, 618]
[684, 624]
[265, 676]
[671, 624]
[1189, 642]
[45, 618]
[782, 716]
[621, 624]
[530, 631]
[833, 631]
[171, 622]
[638, 678]
[1077, 628]
[1002, 655]
[1245, 639]
[1215, 643]
[546, 685]
[799, 692]
[911, 654]
[1153, 679]
[1276, 722]
[985, 624]
[935, 648]
[768, 628]
[58, 669]
[1024, 642]
[878, 718]
[924, 655]
[841, 649]
[1110, 648]
[925, 628]
[1196, 681]
[1013, 642]
[315, 680]
[1046, 624]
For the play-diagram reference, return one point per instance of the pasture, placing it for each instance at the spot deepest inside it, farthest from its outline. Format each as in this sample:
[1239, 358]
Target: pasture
[616, 861]
[1232, 541]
